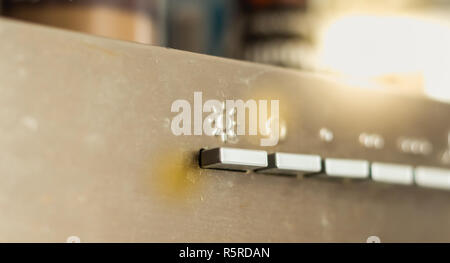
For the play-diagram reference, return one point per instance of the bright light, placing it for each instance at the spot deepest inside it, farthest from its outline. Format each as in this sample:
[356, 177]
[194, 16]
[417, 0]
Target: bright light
[370, 46]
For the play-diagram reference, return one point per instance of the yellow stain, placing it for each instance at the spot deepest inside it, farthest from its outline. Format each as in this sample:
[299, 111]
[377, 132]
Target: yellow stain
[174, 175]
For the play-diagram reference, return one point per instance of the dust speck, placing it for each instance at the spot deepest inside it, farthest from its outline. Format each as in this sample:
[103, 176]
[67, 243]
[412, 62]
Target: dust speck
[22, 72]
[30, 123]
[230, 184]
[324, 221]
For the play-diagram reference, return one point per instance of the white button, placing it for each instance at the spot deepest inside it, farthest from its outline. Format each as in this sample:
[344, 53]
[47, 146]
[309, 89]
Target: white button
[392, 173]
[432, 177]
[233, 159]
[347, 168]
[289, 163]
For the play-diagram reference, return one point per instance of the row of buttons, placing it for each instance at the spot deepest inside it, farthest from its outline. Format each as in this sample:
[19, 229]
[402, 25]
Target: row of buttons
[305, 164]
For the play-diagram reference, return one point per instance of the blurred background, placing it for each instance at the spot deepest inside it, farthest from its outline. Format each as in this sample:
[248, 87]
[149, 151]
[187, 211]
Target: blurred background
[402, 45]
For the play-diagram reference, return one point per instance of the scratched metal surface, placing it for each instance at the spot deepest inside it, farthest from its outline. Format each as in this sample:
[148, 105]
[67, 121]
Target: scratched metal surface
[86, 149]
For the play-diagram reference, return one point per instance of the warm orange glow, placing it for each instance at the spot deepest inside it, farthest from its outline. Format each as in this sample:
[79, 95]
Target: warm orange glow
[370, 46]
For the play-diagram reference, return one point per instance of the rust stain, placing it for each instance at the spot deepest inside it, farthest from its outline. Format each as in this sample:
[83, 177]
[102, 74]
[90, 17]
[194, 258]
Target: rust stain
[173, 175]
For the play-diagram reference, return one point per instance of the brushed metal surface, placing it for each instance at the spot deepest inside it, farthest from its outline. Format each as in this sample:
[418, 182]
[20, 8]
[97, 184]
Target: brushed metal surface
[86, 149]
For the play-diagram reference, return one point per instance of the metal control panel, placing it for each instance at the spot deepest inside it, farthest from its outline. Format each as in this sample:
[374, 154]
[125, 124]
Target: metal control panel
[100, 139]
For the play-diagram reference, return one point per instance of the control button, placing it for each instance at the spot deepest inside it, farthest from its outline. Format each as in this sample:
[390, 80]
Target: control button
[233, 159]
[432, 177]
[392, 173]
[292, 164]
[348, 168]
